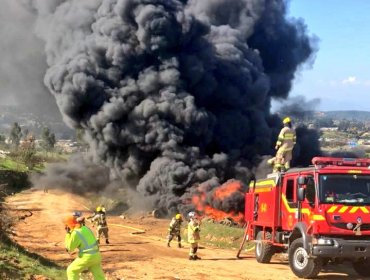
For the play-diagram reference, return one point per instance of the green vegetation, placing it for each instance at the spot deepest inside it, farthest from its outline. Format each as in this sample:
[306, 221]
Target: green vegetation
[10, 164]
[17, 263]
[17, 161]
[15, 135]
[221, 236]
[48, 139]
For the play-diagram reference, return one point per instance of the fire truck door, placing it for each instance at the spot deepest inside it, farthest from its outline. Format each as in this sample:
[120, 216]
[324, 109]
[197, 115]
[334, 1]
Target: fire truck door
[310, 199]
[289, 203]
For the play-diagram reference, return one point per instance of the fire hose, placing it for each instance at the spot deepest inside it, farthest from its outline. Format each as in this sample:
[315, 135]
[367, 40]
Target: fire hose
[245, 238]
[137, 230]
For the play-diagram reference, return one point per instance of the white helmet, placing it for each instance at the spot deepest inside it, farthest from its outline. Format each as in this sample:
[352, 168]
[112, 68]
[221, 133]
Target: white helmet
[191, 215]
[76, 214]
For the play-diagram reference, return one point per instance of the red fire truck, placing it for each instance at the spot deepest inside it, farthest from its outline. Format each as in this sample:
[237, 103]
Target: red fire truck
[317, 214]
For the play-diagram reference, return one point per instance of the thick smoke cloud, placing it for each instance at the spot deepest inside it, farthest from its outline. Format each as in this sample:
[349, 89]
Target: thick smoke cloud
[172, 93]
[308, 146]
[299, 108]
[79, 176]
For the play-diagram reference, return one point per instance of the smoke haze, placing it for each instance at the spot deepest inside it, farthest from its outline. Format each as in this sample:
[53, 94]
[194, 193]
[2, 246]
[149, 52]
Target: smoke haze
[172, 93]
[23, 62]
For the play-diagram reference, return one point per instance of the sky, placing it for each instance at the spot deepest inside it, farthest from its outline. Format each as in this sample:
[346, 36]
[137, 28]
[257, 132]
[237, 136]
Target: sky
[340, 75]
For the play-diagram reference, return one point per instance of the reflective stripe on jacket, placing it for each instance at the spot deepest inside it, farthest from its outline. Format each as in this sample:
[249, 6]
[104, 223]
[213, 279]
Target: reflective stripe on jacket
[83, 239]
[175, 226]
[100, 220]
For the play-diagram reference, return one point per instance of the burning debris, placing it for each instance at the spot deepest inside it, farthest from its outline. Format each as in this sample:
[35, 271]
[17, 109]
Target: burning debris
[171, 93]
[221, 202]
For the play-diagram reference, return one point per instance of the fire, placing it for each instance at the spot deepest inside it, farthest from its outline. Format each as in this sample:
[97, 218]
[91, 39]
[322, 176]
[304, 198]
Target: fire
[225, 191]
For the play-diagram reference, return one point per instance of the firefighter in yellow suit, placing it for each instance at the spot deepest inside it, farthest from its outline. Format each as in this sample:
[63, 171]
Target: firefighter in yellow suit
[81, 237]
[193, 236]
[284, 146]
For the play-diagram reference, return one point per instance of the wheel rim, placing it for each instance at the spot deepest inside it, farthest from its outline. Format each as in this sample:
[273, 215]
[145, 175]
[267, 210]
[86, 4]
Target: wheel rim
[300, 258]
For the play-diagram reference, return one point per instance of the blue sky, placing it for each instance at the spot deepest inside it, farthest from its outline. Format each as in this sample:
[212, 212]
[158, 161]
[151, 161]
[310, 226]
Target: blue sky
[340, 75]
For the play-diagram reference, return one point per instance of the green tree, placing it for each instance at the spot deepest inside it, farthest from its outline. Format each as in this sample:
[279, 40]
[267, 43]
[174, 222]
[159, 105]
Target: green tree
[15, 135]
[48, 139]
[343, 125]
[27, 151]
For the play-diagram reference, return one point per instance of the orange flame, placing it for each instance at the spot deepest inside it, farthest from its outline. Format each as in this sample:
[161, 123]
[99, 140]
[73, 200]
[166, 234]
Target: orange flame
[221, 193]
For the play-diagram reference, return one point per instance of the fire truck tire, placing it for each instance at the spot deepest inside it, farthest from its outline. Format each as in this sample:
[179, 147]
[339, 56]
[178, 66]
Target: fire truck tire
[264, 250]
[300, 264]
[362, 267]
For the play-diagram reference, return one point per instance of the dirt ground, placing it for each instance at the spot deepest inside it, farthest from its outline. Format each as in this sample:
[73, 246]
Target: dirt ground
[136, 255]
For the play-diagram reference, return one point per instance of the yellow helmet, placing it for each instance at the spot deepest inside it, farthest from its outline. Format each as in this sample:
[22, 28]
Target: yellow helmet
[287, 120]
[98, 209]
[178, 217]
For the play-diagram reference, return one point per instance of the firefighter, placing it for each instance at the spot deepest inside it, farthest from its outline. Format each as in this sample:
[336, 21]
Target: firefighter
[100, 220]
[174, 230]
[193, 236]
[89, 258]
[285, 144]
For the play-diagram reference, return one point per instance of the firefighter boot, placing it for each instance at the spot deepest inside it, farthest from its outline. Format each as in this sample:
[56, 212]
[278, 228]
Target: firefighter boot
[106, 241]
[168, 244]
[179, 245]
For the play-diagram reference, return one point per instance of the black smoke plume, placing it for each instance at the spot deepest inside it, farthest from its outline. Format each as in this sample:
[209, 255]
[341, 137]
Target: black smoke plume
[172, 92]
[298, 108]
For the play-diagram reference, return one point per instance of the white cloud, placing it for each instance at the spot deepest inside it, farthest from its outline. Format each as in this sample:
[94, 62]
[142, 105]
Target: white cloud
[350, 80]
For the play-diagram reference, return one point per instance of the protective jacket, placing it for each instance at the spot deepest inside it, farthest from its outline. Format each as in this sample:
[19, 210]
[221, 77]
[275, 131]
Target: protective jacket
[89, 257]
[100, 220]
[175, 226]
[193, 231]
[286, 139]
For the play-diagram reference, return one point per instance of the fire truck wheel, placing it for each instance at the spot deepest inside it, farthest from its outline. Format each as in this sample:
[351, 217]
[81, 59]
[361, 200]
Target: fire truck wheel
[300, 264]
[264, 250]
[362, 267]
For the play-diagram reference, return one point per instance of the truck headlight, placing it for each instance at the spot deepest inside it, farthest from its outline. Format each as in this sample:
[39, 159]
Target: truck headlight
[322, 241]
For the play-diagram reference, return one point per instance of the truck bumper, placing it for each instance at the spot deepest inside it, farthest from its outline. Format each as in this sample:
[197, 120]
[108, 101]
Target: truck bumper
[342, 248]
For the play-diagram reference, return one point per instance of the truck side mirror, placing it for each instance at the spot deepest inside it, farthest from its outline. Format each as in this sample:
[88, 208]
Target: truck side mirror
[302, 180]
[301, 194]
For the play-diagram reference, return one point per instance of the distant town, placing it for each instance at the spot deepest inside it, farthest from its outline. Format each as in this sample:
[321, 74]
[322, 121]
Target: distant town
[343, 130]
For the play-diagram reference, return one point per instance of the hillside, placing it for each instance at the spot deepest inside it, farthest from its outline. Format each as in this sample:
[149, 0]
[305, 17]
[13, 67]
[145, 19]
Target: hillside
[347, 115]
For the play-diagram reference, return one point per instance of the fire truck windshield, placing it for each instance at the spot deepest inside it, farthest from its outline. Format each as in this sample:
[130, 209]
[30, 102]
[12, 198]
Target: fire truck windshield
[344, 189]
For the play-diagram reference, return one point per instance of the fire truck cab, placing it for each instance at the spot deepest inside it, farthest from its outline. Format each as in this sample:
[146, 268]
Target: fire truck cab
[317, 214]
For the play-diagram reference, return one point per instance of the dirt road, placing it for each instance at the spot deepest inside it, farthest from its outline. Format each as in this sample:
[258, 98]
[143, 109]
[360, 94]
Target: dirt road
[138, 256]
